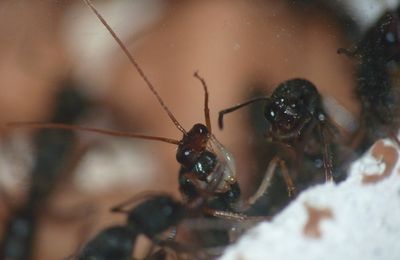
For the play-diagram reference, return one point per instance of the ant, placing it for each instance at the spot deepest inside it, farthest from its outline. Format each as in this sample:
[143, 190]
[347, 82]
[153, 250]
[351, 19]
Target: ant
[152, 217]
[296, 118]
[204, 160]
[378, 55]
[56, 148]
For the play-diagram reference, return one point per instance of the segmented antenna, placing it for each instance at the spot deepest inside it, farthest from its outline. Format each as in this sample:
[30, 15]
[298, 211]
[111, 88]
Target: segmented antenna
[206, 109]
[135, 64]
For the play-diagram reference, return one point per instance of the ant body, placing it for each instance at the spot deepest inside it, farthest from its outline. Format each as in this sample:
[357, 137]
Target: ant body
[296, 117]
[54, 150]
[152, 217]
[378, 79]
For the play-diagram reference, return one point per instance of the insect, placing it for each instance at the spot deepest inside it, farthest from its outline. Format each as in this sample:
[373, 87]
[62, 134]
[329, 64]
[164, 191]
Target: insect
[296, 118]
[204, 160]
[378, 55]
[53, 151]
[153, 216]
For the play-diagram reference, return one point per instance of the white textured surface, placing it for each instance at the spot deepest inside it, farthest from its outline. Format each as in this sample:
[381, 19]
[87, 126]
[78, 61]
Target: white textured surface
[364, 222]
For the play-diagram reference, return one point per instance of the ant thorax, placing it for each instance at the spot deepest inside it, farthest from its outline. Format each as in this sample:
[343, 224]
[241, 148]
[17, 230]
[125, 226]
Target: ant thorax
[292, 107]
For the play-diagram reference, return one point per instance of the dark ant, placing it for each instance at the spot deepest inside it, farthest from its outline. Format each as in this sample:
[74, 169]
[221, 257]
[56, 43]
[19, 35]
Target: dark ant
[378, 55]
[295, 117]
[152, 217]
[52, 153]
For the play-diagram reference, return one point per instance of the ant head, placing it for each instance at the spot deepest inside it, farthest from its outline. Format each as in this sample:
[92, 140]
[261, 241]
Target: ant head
[156, 215]
[199, 131]
[192, 145]
[291, 106]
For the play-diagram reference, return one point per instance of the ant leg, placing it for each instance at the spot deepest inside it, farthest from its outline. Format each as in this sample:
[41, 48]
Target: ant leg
[265, 184]
[206, 108]
[327, 158]
[226, 214]
[288, 180]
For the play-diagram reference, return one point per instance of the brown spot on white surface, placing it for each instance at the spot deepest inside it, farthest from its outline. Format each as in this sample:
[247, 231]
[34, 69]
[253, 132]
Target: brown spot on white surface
[386, 154]
[315, 216]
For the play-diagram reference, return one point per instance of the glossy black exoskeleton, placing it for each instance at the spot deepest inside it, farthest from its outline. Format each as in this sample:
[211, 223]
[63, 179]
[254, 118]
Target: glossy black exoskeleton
[150, 217]
[53, 149]
[116, 242]
[296, 118]
[378, 79]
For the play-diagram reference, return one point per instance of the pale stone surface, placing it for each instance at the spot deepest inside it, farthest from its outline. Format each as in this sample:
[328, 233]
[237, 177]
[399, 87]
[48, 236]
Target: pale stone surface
[358, 218]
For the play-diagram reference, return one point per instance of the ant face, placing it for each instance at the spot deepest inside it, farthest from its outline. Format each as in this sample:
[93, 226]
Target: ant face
[291, 107]
[284, 115]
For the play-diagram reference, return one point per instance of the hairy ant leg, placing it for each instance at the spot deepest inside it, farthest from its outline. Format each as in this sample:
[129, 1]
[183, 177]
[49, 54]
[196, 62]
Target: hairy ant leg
[295, 114]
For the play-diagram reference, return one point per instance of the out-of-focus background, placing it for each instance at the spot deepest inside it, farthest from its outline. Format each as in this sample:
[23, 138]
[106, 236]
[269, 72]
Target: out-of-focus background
[240, 48]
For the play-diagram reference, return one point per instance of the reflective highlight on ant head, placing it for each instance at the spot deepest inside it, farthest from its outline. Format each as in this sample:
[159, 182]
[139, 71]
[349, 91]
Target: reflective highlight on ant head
[291, 107]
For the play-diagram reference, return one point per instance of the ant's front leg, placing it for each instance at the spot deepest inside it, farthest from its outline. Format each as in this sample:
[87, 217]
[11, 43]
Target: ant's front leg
[266, 182]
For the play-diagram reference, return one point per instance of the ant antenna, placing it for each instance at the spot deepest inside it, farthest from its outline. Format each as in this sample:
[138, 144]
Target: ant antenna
[90, 129]
[206, 109]
[135, 64]
[231, 109]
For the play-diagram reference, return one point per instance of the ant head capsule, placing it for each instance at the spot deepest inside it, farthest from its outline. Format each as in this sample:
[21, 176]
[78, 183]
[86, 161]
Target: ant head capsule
[199, 130]
[292, 106]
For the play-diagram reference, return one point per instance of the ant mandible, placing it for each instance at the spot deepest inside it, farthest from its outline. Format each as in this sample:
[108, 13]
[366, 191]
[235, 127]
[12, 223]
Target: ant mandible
[294, 111]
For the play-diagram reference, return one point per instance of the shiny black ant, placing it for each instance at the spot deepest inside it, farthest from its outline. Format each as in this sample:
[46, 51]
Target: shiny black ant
[296, 117]
[53, 151]
[378, 55]
[153, 216]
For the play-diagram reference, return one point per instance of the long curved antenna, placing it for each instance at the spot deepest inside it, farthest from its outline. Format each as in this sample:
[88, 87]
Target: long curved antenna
[231, 109]
[135, 65]
[89, 129]
[206, 108]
